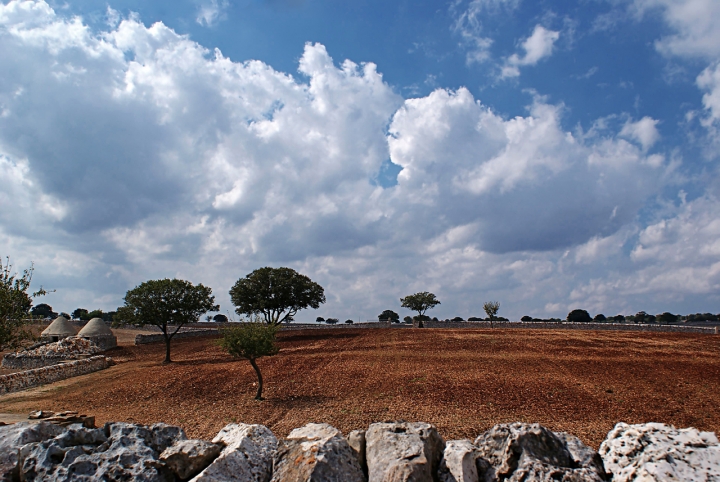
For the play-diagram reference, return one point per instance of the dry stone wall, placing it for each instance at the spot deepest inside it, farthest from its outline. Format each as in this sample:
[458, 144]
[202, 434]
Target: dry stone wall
[40, 376]
[385, 452]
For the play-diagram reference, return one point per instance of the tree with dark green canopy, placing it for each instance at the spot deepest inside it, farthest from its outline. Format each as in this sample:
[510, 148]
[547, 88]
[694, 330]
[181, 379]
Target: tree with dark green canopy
[579, 316]
[389, 315]
[275, 294]
[420, 302]
[251, 341]
[168, 304]
[15, 304]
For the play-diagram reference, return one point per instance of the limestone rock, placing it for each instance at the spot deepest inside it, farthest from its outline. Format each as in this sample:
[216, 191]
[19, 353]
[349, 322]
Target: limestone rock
[12, 437]
[402, 451]
[118, 451]
[356, 440]
[247, 456]
[459, 462]
[188, 457]
[316, 452]
[659, 452]
[530, 452]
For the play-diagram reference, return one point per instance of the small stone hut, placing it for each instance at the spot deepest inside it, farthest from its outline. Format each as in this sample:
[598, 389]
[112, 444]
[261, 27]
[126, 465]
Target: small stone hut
[57, 330]
[97, 331]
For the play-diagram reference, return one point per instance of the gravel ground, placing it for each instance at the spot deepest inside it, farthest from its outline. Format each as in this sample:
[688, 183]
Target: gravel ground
[463, 381]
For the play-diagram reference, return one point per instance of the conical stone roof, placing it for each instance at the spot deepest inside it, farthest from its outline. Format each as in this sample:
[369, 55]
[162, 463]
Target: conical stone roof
[61, 326]
[95, 327]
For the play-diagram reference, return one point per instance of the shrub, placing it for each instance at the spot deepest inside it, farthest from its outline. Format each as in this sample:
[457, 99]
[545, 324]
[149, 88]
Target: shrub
[526, 318]
[331, 321]
[349, 322]
[220, 318]
[319, 319]
[600, 318]
[457, 318]
[407, 319]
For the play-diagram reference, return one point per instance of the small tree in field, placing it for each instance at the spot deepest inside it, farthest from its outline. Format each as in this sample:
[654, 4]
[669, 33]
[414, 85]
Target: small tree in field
[15, 303]
[166, 303]
[491, 309]
[420, 302]
[276, 294]
[389, 315]
[251, 341]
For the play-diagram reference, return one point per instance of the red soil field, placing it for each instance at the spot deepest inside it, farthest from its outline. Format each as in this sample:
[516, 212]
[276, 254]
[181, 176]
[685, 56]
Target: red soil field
[462, 380]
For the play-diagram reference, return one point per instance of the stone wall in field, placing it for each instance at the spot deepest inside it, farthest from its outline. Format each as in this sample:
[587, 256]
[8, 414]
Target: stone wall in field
[141, 339]
[393, 451]
[564, 325]
[40, 376]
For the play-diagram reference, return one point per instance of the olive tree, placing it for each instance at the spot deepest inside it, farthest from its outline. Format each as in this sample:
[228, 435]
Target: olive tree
[15, 304]
[420, 302]
[275, 294]
[251, 341]
[166, 303]
[491, 309]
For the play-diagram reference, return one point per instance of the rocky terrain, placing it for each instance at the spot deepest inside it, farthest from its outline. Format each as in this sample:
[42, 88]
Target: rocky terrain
[385, 452]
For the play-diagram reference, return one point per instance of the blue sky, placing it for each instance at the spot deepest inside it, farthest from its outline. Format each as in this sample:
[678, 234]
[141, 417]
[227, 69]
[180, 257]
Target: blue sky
[546, 155]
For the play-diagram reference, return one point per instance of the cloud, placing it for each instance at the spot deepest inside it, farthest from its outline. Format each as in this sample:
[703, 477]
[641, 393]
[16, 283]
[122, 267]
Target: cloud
[537, 47]
[210, 12]
[469, 25]
[135, 153]
[694, 22]
[643, 131]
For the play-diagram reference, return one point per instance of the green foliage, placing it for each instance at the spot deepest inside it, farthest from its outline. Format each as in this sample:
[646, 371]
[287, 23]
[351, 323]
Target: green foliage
[600, 318]
[420, 302]
[43, 310]
[667, 317]
[526, 318]
[407, 319]
[276, 294]
[491, 309]
[389, 315]
[579, 316]
[164, 303]
[79, 313]
[251, 341]
[15, 304]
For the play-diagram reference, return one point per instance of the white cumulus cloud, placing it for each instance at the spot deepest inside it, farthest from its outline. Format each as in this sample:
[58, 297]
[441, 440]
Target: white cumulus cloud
[537, 46]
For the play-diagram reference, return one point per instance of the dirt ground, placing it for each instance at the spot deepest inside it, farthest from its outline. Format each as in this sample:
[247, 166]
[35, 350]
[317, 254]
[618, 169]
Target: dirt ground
[463, 381]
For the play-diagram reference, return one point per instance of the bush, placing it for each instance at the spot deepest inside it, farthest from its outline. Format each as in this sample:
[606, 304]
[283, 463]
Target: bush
[319, 319]
[331, 321]
[220, 318]
[435, 318]
[407, 319]
[579, 316]
[348, 322]
[457, 318]
[526, 318]
[600, 318]
[500, 318]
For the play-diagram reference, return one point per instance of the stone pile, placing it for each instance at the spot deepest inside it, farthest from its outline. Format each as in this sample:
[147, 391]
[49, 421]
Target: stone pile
[386, 452]
[64, 419]
[70, 348]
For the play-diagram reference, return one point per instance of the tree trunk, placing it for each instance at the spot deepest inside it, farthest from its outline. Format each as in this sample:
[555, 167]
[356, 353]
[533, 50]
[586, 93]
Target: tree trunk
[167, 349]
[260, 380]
